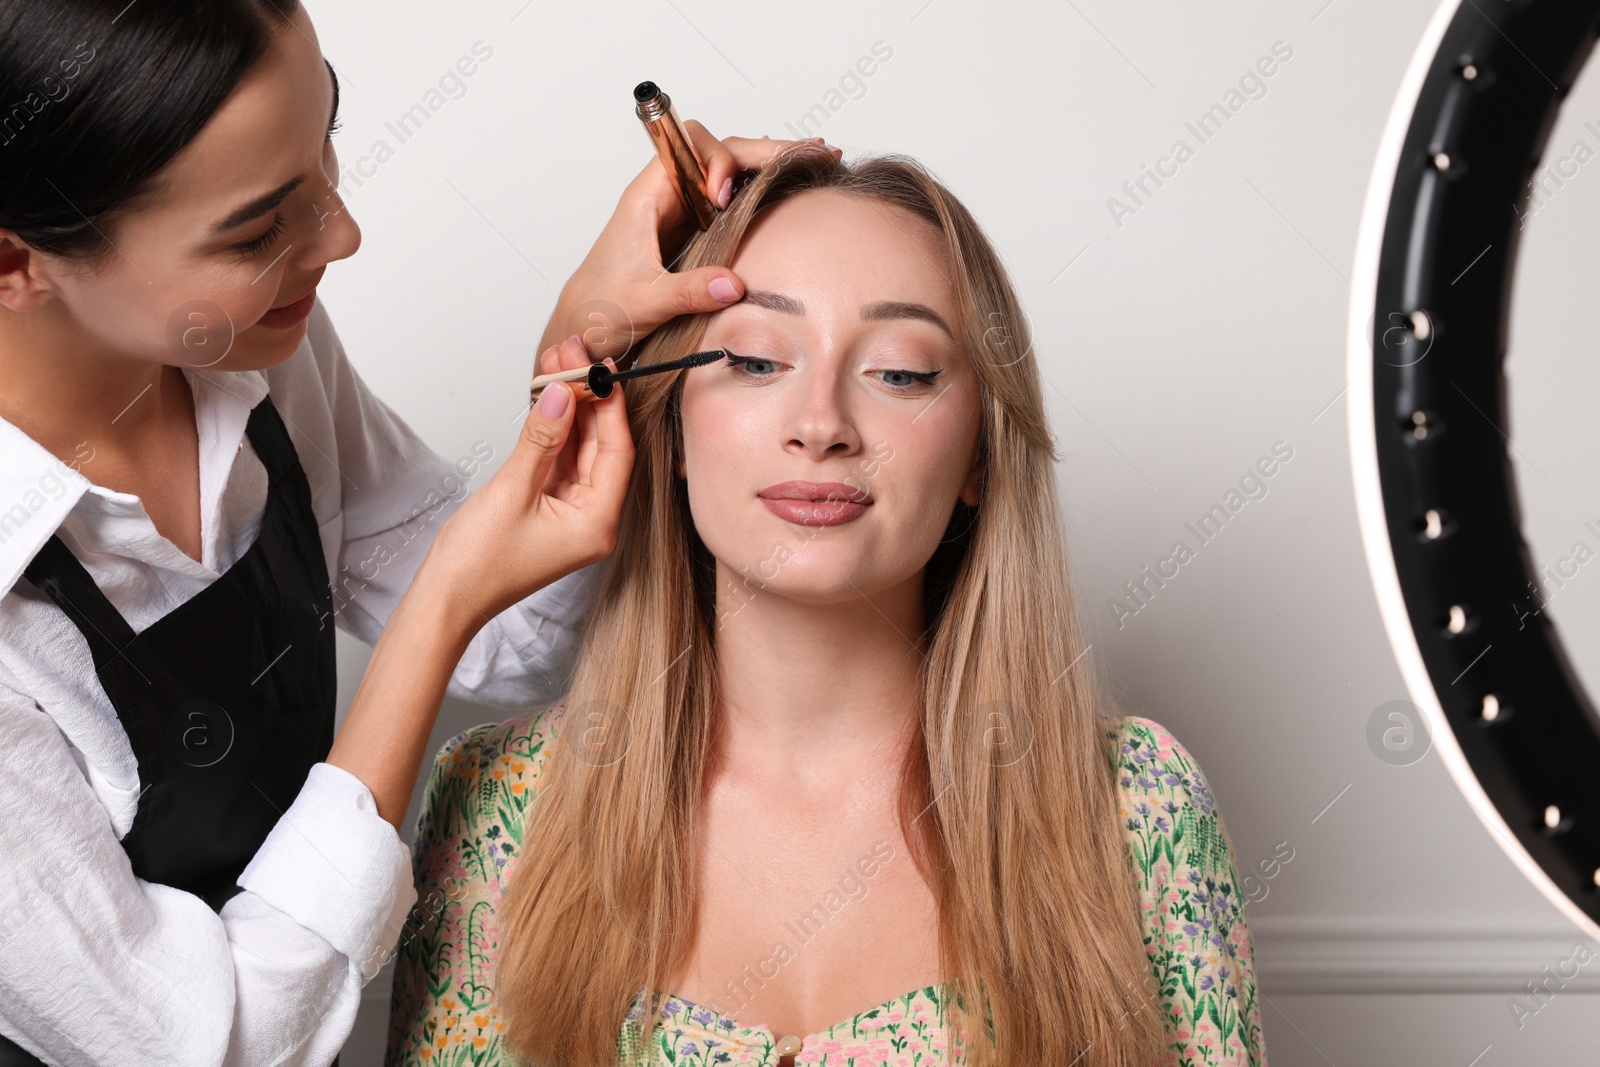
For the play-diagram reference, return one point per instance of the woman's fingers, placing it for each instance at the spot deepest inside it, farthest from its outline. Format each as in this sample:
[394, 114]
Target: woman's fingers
[611, 462]
[588, 432]
[725, 158]
[652, 191]
[628, 267]
[575, 464]
[544, 437]
[718, 161]
[753, 153]
[565, 356]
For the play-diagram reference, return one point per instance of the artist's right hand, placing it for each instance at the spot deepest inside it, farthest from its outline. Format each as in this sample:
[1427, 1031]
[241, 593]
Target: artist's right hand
[552, 508]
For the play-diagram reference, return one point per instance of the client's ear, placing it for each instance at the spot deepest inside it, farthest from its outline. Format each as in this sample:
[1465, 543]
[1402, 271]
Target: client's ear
[969, 489]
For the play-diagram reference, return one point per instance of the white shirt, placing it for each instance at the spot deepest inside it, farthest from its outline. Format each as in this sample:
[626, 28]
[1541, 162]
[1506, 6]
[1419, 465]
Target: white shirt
[100, 967]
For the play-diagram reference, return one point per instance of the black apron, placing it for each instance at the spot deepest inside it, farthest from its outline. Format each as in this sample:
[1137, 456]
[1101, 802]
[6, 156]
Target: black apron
[228, 700]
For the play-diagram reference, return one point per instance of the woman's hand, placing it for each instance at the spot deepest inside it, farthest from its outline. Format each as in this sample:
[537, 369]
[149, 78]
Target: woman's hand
[623, 289]
[552, 508]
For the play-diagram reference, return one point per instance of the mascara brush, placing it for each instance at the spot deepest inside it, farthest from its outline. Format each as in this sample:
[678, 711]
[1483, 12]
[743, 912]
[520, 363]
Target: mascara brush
[595, 381]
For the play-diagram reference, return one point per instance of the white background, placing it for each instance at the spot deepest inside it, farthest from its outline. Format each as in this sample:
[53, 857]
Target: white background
[1177, 348]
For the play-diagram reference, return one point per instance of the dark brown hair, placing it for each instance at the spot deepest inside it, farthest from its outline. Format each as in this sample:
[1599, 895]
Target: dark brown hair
[97, 96]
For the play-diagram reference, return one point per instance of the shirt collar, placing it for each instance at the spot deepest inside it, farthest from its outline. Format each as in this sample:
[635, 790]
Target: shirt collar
[38, 490]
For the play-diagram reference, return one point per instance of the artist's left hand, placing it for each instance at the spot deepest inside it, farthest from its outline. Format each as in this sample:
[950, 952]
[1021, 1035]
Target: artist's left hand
[623, 289]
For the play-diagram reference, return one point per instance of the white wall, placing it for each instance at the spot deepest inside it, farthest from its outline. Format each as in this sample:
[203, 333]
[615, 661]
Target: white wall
[1179, 345]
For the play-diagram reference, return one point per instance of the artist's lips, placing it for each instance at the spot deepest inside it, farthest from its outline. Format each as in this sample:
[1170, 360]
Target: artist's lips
[285, 315]
[816, 503]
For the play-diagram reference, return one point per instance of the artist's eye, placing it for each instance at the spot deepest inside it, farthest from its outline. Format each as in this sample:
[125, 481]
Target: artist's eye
[257, 245]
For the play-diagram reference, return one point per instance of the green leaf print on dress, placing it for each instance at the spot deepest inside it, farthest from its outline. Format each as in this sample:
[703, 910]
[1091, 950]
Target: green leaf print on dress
[470, 832]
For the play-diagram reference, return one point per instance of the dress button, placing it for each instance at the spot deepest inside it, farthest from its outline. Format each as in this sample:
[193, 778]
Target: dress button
[787, 1046]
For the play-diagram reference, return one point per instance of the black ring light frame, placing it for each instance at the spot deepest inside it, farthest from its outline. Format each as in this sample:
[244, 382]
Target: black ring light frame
[1429, 319]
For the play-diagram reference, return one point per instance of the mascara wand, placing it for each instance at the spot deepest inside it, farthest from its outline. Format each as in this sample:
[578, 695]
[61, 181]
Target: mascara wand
[595, 381]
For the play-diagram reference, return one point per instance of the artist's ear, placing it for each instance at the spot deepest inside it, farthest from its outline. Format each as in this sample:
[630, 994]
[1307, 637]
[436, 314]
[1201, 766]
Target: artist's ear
[23, 286]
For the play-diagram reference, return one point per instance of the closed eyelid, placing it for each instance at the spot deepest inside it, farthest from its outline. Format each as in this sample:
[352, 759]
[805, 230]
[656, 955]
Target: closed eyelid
[333, 112]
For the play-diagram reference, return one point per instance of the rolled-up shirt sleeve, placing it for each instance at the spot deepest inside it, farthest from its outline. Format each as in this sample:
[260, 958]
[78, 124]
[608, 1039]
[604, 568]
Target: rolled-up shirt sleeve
[98, 966]
[396, 492]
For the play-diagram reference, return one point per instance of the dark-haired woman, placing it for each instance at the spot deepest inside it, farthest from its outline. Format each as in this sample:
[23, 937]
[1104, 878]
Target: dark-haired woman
[195, 488]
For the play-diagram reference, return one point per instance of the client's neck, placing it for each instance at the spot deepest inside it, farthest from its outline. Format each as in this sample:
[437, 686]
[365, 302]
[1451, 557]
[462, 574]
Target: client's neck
[811, 690]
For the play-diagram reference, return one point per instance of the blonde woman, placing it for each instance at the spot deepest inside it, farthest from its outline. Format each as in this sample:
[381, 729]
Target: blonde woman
[832, 780]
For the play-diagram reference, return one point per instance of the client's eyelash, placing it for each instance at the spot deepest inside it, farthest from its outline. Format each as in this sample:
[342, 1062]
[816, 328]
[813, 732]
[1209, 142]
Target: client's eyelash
[922, 377]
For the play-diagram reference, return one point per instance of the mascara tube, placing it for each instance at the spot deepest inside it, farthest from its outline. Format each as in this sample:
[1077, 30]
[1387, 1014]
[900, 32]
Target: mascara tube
[596, 381]
[587, 383]
[660, 119]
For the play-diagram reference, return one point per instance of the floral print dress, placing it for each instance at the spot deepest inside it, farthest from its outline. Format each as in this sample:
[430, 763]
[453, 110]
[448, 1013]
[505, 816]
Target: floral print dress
[443, 1011]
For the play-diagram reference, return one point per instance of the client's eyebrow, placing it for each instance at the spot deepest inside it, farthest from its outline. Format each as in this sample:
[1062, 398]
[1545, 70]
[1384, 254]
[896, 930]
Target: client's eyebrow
[886, 310]
[774, 301]
[878, 311]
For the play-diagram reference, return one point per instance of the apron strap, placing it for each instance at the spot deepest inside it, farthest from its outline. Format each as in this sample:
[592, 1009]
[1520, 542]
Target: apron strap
[57, 572]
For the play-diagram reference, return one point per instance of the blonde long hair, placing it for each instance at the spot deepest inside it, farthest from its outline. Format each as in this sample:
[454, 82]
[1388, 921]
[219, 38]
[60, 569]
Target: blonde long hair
[1040, 922]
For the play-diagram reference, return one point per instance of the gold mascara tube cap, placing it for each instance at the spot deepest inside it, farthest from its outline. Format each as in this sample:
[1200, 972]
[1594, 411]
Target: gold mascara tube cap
[684, 168]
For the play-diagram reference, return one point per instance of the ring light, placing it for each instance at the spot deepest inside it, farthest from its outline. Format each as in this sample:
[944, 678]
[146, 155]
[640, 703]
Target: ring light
[1430, 304]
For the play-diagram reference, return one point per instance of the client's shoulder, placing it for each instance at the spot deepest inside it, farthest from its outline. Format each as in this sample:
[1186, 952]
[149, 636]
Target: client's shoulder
[1154, 767]
[1165, 804]
[486, 775]
[1196, 931]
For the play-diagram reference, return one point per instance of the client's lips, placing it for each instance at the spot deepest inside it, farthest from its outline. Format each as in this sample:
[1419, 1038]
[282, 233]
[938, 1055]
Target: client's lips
[836, 491]
[816, 503]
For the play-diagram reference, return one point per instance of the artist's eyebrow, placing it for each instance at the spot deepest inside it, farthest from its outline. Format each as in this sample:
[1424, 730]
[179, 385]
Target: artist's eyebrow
[256, 208]
[260, 206]
[878, 311]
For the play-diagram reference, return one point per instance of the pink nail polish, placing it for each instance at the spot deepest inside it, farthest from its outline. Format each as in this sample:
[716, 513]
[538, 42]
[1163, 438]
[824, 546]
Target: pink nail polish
[553, 401]
[725, 196]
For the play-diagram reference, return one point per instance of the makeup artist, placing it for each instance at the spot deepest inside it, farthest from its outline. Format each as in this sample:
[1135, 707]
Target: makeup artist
[195, 487]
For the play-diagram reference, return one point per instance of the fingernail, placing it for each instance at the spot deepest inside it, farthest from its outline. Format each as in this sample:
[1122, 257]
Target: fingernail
[813, 140]
[726, 195]
[722, 289]
[553, 401]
